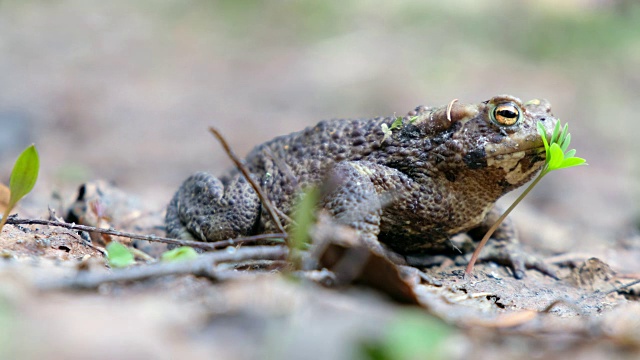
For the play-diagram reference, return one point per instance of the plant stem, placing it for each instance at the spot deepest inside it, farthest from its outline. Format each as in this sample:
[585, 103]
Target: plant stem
[493, 228]
[4, 218]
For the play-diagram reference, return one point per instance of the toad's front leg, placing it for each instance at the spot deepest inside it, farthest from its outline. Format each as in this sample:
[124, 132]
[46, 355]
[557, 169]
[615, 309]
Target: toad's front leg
[352, 200]
[357, 195]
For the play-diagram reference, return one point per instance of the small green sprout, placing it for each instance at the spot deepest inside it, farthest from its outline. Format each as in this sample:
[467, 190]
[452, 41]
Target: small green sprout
[411, 335]
[396, 124]
[557, 157]
[304, 215]
[388, 130]
[180, 254]
[23, 178]
[119, 255]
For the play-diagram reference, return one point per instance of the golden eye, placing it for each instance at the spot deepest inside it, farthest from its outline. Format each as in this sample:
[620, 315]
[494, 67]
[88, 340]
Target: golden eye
[506, 114]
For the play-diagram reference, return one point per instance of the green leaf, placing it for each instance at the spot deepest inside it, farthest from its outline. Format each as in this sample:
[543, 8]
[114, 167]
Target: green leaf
[24, 174]
[23, 178]
[543, 135]
[556, 134]
[180, 254]
[563, 134]
[413, 119]
[571, 162]
[397, 123]
[565, 143]
[557, 156]
[570, 153]
[118, 255]
[304, 215]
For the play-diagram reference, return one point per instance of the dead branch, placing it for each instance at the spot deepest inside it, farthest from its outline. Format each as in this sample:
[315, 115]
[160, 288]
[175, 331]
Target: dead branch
[204, 265]
[282, 166]
[239, 164]
[618, 288]
[194, 244]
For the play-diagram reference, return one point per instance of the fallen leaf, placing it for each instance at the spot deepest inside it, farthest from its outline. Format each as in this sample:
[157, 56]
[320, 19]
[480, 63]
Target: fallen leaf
[340, 251]
[5, 195]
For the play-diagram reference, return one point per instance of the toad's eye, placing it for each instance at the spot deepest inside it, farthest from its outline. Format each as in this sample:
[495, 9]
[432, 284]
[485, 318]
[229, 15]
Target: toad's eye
[506, 114]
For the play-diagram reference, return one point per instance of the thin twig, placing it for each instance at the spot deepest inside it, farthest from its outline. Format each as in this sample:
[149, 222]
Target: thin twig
[285, 217]
[618, 288]
[239, 164]
[246, 239]
[204, 266]
[194, 244]
[82, 241]
[282, 166]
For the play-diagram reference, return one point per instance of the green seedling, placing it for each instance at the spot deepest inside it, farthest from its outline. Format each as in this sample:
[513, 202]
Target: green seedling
[558, 157]
[23, 178]
[118, 255]
[304, 215]
[412, 335]
[180, 254]
[396, 124]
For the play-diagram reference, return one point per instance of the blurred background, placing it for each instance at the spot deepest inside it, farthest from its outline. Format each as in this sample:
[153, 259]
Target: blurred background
[125, 90]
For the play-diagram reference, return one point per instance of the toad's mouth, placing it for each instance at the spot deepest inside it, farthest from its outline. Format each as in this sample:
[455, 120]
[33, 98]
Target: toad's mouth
[538, 151]
[518, 165]
[505, 158]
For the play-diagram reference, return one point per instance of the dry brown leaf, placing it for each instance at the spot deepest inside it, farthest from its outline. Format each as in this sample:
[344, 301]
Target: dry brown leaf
[5, 194]
[353, 262]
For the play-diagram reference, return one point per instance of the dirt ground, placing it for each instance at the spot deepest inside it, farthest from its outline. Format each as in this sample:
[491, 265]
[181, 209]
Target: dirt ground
[123, 92]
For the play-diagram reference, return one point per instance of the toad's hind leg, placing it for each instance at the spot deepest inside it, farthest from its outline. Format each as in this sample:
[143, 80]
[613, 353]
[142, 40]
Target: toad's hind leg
[205, 209]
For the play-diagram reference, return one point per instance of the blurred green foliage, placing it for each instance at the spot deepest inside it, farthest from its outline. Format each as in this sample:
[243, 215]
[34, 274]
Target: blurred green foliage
[532, 31]
[304, 216]
[180, 254]
[412, 335]
[529, 29]
[119, 255]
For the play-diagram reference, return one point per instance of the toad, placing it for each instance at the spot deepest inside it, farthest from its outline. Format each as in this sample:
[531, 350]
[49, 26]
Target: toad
[406, 184]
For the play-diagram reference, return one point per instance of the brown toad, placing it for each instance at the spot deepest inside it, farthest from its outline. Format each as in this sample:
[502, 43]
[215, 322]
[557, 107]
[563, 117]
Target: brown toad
[410, 186]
